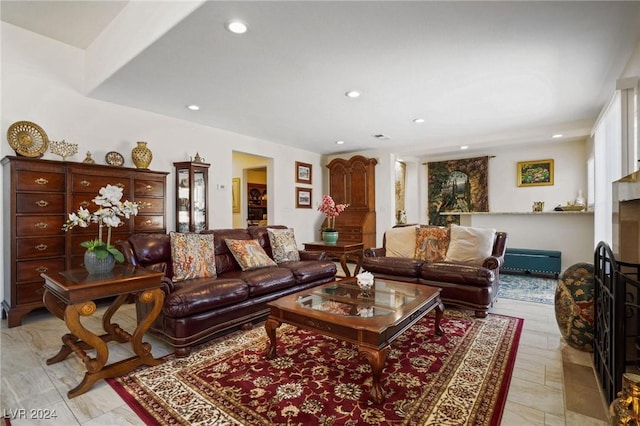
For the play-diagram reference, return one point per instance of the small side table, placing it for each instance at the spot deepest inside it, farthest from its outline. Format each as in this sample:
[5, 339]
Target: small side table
[70, 295]
[341, 251]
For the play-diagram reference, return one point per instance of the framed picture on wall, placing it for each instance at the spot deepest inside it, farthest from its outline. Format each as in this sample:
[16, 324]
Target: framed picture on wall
[235, 194]
[535, 173]
[303, 198]
[303, 172]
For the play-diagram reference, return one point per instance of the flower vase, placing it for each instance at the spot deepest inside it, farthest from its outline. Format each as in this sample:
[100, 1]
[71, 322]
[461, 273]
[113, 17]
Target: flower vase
[330, 238]
[93, 265]
[141, 155]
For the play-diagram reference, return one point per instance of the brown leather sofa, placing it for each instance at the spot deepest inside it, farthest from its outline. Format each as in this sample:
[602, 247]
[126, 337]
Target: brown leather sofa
[469, 286]
[198, 309]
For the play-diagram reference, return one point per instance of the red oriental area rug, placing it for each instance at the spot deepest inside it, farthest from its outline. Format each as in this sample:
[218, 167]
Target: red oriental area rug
[461, 378]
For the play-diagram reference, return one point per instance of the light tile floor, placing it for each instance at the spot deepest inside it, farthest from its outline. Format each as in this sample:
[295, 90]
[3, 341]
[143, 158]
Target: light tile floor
[552, 383]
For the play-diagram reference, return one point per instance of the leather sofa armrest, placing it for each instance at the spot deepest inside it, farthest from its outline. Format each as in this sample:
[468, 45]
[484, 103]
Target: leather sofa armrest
[375, 252]
[125, 247]
[312, 255]
[492, 262]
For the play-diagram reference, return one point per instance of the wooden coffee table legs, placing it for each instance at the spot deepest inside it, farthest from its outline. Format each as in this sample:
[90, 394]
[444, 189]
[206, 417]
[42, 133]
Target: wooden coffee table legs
[81, 339]
[375, 356]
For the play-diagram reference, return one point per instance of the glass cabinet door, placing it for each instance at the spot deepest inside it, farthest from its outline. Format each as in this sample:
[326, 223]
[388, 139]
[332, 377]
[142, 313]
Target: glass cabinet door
[191, 196]
[199, 198]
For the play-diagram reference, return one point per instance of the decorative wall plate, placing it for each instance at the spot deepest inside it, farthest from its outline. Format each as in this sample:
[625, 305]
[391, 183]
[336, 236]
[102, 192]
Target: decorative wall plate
[27, 139]
[114, 158]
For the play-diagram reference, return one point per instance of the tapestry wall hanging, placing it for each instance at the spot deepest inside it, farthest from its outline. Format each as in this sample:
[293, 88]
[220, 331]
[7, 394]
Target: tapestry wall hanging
[457, 186]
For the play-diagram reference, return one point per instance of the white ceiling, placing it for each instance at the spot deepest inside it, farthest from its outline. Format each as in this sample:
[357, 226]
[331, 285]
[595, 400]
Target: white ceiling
[479, 73]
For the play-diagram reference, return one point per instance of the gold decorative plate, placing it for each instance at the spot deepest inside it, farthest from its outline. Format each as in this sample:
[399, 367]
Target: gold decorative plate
[114, 158]
[27, 139]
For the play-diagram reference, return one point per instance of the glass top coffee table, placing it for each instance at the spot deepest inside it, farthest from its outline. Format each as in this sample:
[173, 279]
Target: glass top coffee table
[371, 320]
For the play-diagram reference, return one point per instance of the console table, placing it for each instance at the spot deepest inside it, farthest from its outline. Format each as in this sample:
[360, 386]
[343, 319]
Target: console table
[70, 294]
[341, 251]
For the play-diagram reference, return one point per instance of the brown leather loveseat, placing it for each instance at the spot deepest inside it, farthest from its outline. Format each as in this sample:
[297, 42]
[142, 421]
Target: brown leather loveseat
[197, 309]
[469, 285]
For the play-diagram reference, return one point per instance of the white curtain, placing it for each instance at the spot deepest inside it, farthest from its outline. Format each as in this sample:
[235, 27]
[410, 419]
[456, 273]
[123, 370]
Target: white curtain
[608, 167]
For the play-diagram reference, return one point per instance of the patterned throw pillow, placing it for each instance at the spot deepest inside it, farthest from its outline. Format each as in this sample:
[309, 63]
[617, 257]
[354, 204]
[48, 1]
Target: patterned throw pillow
[432, 243]
[470, 245]
[283, 245]
[193, 256]
[249, 254]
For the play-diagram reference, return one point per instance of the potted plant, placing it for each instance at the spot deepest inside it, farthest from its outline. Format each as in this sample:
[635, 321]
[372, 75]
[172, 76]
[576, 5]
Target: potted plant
[331, 210]
[101, 256]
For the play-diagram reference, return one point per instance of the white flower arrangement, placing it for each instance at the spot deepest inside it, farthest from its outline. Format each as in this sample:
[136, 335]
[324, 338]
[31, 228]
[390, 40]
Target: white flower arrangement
[110, 210]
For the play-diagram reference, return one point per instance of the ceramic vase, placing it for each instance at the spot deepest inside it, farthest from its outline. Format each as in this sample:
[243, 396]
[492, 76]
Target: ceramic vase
[141, 155]
[330, 238]
[93, 265]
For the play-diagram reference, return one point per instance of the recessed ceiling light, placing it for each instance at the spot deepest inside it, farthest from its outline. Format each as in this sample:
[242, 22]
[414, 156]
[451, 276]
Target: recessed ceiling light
[352, 94]
[557, 135]
[339, 142]
[464, 147]
[236, 27]
[418, 120]
[193, 107]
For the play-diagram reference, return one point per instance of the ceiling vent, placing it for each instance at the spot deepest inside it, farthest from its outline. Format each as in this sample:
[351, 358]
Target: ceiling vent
[381, 137]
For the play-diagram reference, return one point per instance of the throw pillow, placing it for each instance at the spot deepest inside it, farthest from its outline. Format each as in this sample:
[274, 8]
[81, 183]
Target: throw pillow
[249, 254]
[400, 242]
[470, 245]
[432, 243]
[283, 245]
[193, 256]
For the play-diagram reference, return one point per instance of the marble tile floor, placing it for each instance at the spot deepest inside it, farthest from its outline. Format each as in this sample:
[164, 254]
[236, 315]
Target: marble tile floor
[552, 383]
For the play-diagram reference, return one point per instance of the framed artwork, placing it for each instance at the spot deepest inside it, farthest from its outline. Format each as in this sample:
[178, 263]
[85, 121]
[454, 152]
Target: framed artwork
[235, 194]
[303, 173]
[535, 173]
[303, 198]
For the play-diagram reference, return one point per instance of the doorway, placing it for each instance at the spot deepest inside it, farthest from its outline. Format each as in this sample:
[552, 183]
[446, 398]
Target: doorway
[250, 189]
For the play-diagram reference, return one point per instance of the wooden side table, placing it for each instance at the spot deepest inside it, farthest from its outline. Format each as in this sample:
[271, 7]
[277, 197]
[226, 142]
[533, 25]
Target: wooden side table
[341, 251]
[69, 295]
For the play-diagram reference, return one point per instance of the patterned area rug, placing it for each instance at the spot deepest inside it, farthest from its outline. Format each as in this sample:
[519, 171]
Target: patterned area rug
[527, 288]
[461, 378]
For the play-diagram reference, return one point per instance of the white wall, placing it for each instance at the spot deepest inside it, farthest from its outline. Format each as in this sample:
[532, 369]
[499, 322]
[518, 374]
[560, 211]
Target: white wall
[41, 82]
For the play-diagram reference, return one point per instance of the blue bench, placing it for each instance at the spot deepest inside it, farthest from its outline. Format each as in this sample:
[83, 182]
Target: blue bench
[531, 261]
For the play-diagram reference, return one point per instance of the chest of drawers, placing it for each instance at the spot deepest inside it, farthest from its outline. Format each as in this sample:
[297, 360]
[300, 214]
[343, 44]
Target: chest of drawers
[38, 196]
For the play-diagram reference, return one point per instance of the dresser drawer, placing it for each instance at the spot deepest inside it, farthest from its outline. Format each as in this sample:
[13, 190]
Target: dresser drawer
[30, 292]
[39, 225]
[92, 184]
[39, 181]
[39, 247]
[151, 205]
[40, 203]
[148, 188]
[148, 223]
[30, 270]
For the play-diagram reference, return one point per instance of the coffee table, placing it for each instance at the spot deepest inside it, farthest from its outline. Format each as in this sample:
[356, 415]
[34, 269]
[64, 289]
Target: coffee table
[371, 320]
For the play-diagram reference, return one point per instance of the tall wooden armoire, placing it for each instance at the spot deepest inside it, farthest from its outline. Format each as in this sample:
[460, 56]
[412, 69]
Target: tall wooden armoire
[353, 182]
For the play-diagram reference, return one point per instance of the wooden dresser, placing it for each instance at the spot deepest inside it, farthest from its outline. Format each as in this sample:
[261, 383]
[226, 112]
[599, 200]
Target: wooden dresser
[37, 197]
[352, 181]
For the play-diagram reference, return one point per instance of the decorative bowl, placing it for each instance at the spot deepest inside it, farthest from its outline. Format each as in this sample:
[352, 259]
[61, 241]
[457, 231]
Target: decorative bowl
[365, 280]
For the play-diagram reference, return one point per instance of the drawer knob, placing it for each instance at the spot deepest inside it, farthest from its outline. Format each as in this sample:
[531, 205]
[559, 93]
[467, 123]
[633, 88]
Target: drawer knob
[42, 181]
[85, 183]
[42, 269]
[84, 204]
[42, 203]
[41, 225]
[148, 222]
[41, 247]
[149, 187]
[120, 185]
